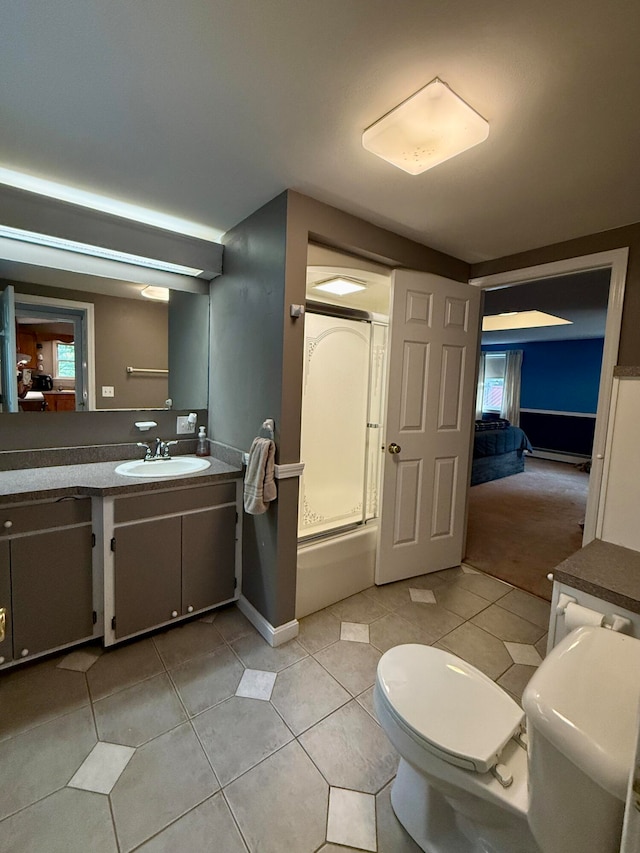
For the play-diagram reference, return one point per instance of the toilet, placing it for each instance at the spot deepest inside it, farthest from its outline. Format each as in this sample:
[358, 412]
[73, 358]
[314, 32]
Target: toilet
[475, 776]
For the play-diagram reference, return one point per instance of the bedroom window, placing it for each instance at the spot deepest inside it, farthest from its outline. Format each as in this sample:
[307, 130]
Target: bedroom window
[494, 373]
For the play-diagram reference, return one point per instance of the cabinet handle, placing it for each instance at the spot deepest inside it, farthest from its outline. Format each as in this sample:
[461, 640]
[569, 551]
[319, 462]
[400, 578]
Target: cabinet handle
[1, 660]
[7, 525]
[24, 653]
[174, 613]
[3, 623]
[190, 608]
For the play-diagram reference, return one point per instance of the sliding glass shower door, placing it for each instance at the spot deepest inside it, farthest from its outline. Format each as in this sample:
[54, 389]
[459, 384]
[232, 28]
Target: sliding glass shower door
[342, 404]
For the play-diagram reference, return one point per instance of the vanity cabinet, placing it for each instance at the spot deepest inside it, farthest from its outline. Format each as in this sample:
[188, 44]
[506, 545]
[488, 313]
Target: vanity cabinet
[46, 585]
[557, 628]
[174, 553]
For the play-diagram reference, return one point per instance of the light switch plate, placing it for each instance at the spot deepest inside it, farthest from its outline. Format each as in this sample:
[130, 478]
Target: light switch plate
[108, 391]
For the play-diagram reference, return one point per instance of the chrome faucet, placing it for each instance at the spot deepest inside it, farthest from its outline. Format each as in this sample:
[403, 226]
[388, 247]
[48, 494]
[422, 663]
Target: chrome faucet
[162, 449]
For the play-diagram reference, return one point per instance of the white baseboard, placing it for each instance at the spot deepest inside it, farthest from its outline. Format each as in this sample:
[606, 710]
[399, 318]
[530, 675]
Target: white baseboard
[571, 458]
[274, 636]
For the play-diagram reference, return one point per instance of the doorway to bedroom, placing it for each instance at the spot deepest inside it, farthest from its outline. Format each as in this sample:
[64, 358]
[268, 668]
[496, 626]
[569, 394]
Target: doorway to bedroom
[537, 401]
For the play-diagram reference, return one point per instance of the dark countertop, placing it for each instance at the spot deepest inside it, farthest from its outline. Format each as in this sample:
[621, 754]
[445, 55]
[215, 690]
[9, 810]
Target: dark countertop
[607, 571]
[98, 479]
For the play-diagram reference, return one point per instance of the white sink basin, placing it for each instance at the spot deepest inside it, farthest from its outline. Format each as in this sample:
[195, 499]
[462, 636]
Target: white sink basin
[177, 467]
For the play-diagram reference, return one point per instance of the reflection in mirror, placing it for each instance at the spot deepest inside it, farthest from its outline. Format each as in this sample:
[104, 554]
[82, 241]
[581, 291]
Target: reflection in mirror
[74, 348]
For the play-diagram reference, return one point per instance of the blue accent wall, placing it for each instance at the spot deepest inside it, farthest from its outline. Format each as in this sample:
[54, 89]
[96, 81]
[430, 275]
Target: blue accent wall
[560, 376]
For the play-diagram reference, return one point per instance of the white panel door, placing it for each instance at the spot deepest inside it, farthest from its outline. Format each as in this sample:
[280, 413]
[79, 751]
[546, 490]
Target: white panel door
[430, 410]
[8, 357]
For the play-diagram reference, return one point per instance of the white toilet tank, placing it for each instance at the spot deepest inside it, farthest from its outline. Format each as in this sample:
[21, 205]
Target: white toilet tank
[582, 711]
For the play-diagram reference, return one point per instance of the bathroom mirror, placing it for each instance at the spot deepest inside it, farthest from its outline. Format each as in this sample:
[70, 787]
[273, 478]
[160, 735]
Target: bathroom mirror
[87, 343]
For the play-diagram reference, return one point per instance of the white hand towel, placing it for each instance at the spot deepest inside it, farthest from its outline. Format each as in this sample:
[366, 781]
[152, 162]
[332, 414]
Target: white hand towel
[259, 483]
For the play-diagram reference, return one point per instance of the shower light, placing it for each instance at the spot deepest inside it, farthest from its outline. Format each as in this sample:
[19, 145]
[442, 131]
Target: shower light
[340, 286]
[426, 129]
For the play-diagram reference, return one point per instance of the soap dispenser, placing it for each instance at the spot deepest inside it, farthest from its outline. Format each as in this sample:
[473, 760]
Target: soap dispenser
[203, 448]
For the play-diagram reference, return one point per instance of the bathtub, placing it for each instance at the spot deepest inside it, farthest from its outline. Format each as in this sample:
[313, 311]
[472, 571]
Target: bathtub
[334, 568]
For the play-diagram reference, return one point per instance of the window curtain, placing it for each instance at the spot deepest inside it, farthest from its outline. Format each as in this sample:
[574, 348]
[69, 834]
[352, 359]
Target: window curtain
[480, 391]
[512, 381]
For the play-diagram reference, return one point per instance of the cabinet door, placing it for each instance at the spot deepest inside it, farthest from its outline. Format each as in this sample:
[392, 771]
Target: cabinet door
[6, 645]
[51, 583]
[208, 557]
[147, 574]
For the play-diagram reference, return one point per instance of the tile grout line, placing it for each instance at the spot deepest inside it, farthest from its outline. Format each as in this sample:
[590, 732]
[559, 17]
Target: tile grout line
[113, 822]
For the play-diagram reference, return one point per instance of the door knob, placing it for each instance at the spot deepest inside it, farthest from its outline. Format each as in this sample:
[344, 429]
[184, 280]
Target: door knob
[190, 608]
[174, 613]
[394, 448]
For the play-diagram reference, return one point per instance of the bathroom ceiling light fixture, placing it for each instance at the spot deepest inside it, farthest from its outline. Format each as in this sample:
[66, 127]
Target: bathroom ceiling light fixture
[94, 251]
[340, 286]
[521, 320]
[428, 128]
[160, 294]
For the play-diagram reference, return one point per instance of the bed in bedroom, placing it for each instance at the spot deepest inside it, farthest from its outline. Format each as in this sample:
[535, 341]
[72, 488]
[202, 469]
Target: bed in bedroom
[498, 451]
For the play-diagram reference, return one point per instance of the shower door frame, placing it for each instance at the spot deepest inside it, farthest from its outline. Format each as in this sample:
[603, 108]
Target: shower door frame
[343, 312]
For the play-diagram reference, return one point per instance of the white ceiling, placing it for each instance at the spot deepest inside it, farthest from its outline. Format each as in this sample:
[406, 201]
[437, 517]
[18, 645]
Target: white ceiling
[206, 109]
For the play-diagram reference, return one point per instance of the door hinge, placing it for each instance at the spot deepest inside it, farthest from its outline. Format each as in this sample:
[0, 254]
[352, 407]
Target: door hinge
[113, 543]
[235, 583]
[93, 540]
[237, 517]
[94, 617]
[113, 623]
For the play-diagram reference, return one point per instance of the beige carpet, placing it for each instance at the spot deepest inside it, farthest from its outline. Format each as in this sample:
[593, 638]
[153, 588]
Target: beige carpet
[521, 527]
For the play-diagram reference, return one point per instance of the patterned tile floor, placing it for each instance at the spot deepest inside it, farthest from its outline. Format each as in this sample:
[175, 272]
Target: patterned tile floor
[204, 738]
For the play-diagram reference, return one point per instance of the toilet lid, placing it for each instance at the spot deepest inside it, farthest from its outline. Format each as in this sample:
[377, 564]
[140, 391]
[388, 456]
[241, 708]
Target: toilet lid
[455, 710]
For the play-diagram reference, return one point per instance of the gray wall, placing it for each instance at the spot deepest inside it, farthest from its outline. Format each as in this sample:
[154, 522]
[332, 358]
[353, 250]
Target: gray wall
[247, 306]
[33, 430]
[257, 352]
[189, 350]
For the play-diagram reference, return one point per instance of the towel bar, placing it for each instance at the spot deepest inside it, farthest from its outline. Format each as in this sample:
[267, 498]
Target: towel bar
[147, 370]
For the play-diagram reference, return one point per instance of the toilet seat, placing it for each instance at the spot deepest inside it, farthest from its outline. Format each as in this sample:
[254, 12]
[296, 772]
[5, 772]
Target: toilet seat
[448, 706]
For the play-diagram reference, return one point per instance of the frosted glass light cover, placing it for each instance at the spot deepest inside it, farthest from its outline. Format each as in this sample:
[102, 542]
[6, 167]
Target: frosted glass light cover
[521, 320]
[428, 128]
[339, 286]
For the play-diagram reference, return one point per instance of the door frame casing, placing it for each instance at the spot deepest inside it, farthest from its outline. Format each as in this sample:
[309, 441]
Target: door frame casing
[616, 261]
[89, 328]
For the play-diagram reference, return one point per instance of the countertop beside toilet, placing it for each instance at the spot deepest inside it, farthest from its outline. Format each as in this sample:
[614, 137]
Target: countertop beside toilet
[606, 571]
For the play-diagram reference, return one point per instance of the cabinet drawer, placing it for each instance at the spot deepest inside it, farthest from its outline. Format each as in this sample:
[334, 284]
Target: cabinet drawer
[174, 502]
[31, 517]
